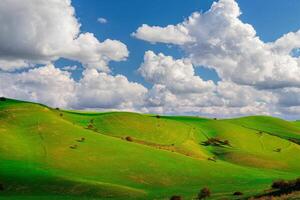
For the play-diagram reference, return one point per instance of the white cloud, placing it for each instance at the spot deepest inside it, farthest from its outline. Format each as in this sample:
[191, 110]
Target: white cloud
[70, 68]
[177, 75]
[47, 85]
[177, 89]
[220, 40]
[171, 34]
[51, 86]
[41, 31]
[102, 20]
[100, 90]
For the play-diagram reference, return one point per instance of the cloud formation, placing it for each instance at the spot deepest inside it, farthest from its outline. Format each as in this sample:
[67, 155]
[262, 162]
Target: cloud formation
[41, 31]
[54, 87]
[255, 77]
[220, 40]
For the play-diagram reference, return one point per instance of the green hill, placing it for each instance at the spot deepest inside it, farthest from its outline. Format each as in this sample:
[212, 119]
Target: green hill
[49, 153]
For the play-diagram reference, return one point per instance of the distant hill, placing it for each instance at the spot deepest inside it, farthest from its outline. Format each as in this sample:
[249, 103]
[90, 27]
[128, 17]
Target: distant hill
[48, 153]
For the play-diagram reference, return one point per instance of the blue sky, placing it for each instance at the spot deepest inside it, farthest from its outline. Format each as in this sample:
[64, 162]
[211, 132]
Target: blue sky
[270, 18]
[215, 62]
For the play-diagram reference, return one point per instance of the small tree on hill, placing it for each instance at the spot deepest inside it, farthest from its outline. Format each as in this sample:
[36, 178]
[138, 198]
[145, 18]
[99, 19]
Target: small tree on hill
[237, 193]
[129, 139]
[176, 197]
[2, 99]
[204, 193]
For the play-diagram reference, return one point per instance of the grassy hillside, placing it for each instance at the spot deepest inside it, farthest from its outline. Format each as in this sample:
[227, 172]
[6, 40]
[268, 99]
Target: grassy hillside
[47, 153]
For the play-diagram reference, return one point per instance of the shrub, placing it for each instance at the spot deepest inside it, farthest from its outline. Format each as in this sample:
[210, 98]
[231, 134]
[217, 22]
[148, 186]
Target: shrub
[128, 138]
[212, 159]
[278, 150]
[74, 146]
[1, 187]
[81, 139]
[176, 197]
[204, 193]
[237, 193]
[280, 184]
[226, 142]
[57, 109]
[61, 114]
[215, 142]
[90, 126]
[2, 99]
[157, 116]
[92, 121]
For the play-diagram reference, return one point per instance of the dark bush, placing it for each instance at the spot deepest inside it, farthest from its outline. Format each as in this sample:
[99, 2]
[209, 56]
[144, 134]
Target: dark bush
[60, 114]
[90, 126]
[57, 109]
[129, 139]
[204, 193]
[237, 193]
[1, 187]
[214, 159]
[280, 184]
[74, 146]
[215, 119]
[2, 99]
[176, 197]
[157, 116]
[215, 142]
[278, 150]
[81, 139]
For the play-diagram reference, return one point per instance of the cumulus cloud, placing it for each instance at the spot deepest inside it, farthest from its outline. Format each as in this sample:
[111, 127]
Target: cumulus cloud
[41, 31]
[220, 40]
[101, 90]
[177, 75]
[177, 89]
[171, 34]
[54, 87]
[47, 85]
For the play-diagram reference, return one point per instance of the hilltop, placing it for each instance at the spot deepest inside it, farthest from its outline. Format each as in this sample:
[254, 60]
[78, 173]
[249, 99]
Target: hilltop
[48, 153]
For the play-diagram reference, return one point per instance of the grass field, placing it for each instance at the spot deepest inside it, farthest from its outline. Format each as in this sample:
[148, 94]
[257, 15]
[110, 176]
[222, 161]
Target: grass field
[49, 153]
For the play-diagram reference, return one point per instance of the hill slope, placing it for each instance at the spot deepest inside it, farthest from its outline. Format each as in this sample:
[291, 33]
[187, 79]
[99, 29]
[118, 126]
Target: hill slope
[53, 154]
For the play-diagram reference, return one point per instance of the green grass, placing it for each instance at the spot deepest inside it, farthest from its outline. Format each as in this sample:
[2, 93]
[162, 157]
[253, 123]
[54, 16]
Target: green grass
[164, 158]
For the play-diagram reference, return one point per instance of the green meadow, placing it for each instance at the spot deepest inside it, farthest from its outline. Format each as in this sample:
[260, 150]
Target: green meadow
[48, 153]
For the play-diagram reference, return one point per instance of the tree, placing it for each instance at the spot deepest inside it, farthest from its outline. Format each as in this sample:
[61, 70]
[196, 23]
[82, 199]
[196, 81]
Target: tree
[176, 197]
[237, 193]
[204, 193]
[2, 99]
[128, 138]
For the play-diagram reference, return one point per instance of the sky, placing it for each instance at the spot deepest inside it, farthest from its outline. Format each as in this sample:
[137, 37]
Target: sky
[196, 57]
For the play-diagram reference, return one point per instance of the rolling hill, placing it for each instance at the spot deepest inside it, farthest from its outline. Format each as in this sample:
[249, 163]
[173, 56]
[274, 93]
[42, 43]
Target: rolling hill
[48, 153]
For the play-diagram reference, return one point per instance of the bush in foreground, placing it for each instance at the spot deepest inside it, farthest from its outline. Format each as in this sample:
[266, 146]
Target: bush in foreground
[175, 197]
[204, 193]
[129, 139]
[237, 193]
